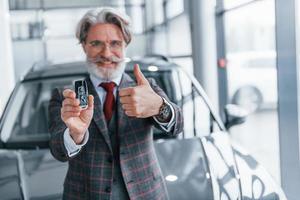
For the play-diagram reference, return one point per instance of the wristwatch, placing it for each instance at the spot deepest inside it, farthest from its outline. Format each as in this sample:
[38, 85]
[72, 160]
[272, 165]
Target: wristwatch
[165, 111]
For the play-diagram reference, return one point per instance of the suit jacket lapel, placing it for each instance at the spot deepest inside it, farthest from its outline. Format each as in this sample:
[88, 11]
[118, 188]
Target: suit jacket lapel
[126, 81]
[99, 117]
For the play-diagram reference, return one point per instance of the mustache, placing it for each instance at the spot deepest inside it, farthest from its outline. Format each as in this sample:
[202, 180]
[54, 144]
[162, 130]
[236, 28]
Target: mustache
[106, 59]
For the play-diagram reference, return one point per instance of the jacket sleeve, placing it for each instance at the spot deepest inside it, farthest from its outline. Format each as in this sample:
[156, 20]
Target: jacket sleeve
[57, 127]
[178, 125]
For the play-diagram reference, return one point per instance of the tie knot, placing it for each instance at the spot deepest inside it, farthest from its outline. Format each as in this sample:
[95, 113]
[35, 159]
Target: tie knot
[108, 87]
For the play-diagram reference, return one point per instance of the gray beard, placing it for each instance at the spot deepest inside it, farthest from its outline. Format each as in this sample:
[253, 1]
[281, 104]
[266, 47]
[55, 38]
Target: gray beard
[107, 74]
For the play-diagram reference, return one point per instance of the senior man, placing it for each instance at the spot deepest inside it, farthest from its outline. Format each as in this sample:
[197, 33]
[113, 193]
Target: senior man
[109, 144]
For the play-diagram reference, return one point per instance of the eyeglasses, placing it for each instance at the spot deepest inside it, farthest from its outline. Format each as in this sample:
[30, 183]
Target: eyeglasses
[114, 45]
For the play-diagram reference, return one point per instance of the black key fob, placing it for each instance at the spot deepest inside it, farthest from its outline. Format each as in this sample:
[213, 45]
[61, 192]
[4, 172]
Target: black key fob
[82, 93]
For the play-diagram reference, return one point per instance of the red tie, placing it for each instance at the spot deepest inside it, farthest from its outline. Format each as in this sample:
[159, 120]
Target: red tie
[109, 102]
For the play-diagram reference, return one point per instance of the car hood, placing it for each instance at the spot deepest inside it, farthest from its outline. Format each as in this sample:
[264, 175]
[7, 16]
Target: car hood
[234, 170]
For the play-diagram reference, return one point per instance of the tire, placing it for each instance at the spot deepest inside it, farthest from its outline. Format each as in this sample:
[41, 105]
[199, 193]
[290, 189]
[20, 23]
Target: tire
[249, 97]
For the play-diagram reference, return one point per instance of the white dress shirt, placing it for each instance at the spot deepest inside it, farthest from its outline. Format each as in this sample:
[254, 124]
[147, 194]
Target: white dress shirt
[73, 148]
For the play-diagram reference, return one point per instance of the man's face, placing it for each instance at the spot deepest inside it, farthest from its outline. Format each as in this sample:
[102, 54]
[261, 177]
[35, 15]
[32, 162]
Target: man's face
[105, 50]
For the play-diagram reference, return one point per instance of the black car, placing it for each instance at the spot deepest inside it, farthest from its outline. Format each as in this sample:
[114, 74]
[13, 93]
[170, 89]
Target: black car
[200, 163]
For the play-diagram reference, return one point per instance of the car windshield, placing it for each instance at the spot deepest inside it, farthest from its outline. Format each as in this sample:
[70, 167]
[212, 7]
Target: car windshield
[27, 116]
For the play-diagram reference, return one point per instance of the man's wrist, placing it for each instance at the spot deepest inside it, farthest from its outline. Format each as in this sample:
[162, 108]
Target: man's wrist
[71, 146]
[78, 138]
[165, 112]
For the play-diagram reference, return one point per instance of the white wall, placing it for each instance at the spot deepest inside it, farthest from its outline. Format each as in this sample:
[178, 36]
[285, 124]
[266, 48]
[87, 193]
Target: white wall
[6, 60]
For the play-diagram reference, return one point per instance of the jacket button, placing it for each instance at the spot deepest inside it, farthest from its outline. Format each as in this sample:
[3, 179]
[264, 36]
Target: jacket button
[129, 182]
[122, 151]
[108, 189]
[109, 159]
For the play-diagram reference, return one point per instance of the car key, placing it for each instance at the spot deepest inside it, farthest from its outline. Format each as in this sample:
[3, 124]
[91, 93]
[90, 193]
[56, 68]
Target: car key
[81, 91]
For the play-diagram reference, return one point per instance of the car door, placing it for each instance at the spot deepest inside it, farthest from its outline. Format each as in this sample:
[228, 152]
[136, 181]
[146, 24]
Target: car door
[234, 173]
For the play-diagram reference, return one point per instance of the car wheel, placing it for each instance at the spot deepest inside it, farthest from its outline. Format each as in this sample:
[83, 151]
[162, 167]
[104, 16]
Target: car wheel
[248, 97]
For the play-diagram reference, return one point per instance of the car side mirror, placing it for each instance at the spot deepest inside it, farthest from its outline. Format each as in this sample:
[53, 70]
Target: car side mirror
[234, 115]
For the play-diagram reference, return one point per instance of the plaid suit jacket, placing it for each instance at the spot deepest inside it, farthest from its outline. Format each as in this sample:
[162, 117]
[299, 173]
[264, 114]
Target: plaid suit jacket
[90, 172]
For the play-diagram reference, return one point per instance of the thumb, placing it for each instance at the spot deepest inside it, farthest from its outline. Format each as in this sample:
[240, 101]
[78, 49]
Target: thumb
[91, 102]
[140, 78]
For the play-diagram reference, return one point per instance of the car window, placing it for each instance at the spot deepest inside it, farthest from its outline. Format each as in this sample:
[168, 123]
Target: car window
[27, 119]
[197, 116]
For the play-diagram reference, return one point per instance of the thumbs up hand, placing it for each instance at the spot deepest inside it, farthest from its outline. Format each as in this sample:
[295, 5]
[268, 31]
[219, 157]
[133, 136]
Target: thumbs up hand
[140, 101]
[139, 76]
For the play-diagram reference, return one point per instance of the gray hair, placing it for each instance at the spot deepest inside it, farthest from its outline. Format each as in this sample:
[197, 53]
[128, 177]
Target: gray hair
[104, 15]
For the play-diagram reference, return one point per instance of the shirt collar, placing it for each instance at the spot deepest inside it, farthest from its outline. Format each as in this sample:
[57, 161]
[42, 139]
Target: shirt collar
[97, 80]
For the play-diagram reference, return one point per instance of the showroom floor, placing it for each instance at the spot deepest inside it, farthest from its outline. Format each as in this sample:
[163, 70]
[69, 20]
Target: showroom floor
[259, 135]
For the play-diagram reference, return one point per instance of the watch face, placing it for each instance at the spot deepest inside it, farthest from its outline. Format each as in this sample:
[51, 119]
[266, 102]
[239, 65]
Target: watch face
[165, 111]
